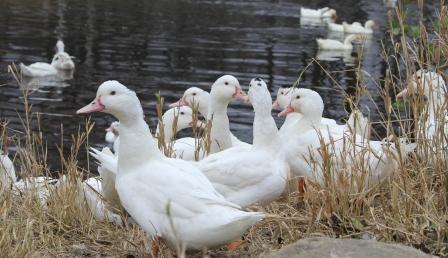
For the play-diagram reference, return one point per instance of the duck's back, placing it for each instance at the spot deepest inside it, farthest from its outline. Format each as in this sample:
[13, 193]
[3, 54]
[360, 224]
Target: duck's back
[190, 201]
[185, 148]
[38, 69]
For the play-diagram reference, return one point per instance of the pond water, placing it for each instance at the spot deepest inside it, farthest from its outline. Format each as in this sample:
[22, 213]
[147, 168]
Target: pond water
[168, 46]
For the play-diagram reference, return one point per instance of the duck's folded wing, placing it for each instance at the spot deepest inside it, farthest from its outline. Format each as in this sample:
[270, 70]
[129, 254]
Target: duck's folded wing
[183, 200]
[233, 170]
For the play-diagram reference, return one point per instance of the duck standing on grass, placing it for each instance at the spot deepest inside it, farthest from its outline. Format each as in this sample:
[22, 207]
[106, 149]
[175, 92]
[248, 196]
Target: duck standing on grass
[167, 197]
[434, 116]
[346, 153]
[357, 123]
[61, 61]
[256, 175]
[7, 172]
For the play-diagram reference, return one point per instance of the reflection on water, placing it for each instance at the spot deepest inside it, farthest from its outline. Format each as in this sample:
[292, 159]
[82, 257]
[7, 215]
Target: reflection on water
[168, 46]
[336, 55]
[59, 80]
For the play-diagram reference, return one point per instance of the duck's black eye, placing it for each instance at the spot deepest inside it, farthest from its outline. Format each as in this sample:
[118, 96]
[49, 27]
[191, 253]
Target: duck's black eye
[298, 97]
[282, 93]
[226, 83]
[259, 84]
[56, 58]
[182, 113]
[112, 93]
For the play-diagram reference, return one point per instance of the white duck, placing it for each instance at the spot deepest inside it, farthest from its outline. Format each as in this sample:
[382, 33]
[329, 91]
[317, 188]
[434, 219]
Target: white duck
[377, 158]
[8, 178]
[434, 115]
[256, 175]
[175, 120]
[282, 101]
[108, 171]
[319, 13]
[357, 123]
[166, 197]
[357, 28]
[222, 92]
[90, 197]
[332, 44]
[61, 61]
[92, 192]
[40, 186]
[7, 172]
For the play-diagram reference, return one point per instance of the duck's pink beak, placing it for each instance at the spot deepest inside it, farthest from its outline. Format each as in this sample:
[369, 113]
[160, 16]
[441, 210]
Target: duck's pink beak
[181, 102]
[239, 94]
[94, 106]
[275, 104]
[403, 93]
[286, 111]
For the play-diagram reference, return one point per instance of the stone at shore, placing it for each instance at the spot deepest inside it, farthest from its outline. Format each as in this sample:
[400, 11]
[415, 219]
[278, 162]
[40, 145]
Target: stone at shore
[344, 248]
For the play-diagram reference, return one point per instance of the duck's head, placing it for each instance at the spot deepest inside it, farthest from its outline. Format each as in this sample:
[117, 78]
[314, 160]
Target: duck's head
[192, 96]
[62, 60]
[431, 84]
[113, 128]
[184, 116]
[259, 95]
[116, 99]
[305, 101]
[227, 88]
[283, 98]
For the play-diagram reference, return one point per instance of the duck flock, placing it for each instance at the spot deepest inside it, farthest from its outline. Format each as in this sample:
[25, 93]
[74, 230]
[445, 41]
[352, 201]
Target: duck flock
[198, 197]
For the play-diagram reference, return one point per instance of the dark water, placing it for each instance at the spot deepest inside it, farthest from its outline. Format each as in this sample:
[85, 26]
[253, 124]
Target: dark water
[168, 46]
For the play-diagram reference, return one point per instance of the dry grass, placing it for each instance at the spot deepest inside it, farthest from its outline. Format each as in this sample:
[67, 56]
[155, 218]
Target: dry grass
[409, 208]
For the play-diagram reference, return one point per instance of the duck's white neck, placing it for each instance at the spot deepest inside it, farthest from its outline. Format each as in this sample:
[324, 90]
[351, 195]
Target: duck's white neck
[306, 123]
[204, 106]
[136, 144]
[265, 131]
[220, 131]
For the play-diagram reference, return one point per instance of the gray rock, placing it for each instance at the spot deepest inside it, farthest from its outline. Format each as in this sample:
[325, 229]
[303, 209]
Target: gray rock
[344, 248]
